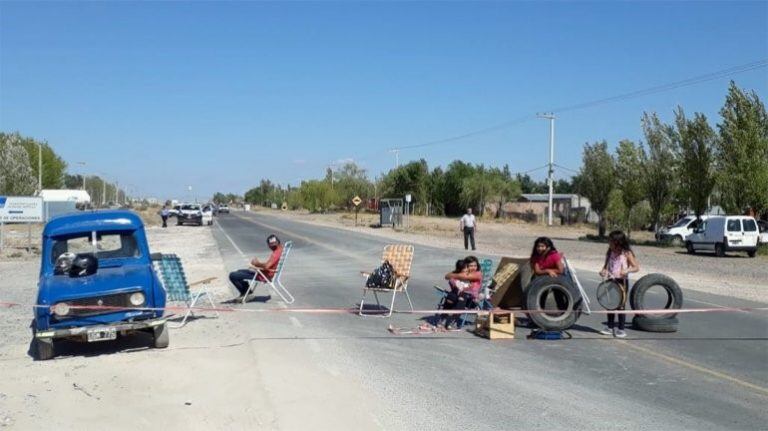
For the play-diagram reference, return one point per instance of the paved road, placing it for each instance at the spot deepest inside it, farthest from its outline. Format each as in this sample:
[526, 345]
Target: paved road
[712, 374]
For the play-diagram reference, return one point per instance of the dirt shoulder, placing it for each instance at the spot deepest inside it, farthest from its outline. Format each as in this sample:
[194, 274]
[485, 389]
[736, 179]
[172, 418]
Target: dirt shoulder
[735, 275]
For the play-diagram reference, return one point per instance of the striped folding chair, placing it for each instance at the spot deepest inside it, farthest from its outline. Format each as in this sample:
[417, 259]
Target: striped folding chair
[174, 282]
[400, 256]
[275, 283]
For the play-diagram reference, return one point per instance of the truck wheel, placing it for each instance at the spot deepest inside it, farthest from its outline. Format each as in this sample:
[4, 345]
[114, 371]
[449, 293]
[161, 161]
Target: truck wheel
[641, 286]
[655, 325]
[689, 247]
[752, 253]
[44, 349]
[677, 240]
[719, 250]
[541, 295]
[162, 336]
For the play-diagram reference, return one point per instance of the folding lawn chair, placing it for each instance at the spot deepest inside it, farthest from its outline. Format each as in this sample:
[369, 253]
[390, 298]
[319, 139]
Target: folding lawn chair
[174, 282]
[275, 282]
[486, 267]
[400, 256]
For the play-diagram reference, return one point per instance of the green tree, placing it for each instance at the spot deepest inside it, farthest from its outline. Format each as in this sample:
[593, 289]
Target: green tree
[630, 164]
[453, 182]
[597, 179]
[742, 152]
[695, 141]
[351, 181]
[317, 195]
[16, 176]
[412, 178]
[660, 167]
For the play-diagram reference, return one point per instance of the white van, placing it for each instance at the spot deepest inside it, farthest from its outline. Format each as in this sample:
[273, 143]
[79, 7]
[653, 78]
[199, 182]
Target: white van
[677, 233]
[722, 234]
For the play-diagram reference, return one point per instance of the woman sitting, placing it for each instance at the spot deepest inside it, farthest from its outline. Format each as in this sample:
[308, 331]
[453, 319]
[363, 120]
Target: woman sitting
[465, 288]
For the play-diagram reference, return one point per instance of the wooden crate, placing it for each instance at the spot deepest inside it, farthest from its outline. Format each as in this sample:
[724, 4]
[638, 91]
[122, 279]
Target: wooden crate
[496, 326]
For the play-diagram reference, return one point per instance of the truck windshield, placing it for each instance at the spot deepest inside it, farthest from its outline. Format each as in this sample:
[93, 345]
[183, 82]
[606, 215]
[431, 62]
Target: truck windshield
[683, 222]
[107, 245]
[191, 207]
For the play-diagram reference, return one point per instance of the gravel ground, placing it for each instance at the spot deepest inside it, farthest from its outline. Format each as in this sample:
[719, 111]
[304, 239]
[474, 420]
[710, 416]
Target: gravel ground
[735, 275]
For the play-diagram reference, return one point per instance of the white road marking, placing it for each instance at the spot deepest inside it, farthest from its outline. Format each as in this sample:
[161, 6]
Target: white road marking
[295, 322]
[230, 240]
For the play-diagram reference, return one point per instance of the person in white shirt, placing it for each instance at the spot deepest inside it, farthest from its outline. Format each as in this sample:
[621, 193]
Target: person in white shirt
[468, 225]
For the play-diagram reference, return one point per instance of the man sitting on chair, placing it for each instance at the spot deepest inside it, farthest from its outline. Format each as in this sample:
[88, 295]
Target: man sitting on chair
[241, 278]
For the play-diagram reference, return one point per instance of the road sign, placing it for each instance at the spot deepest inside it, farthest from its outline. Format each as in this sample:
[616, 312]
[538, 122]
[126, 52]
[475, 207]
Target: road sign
[408, 197]
[356, 200]
[21, 209]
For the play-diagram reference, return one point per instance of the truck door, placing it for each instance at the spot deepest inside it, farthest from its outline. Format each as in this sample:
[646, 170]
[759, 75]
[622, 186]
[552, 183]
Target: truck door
[751, 232]
[733, 232]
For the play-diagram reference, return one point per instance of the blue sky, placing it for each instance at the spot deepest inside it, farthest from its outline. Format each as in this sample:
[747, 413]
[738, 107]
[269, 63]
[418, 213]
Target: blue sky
[161, 95]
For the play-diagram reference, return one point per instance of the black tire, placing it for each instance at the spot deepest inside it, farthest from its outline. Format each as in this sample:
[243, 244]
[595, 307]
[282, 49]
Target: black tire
[44, 349]
[178, 223]
[719, 250]
[641, 286]
[677, 240]
[689, 247]
[752, 253]
[162, 336]
[643, 323]
[539, 291]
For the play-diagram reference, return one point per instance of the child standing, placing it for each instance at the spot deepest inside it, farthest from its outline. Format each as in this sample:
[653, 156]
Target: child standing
[620, 261]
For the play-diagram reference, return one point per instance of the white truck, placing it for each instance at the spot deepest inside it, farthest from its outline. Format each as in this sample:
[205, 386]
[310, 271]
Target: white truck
[725, 233]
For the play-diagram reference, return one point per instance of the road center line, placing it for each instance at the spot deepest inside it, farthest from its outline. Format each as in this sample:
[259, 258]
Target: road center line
[230, 240]
[716, 374]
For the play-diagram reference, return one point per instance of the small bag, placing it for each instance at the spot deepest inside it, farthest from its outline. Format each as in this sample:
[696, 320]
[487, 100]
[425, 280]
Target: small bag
[382, 277]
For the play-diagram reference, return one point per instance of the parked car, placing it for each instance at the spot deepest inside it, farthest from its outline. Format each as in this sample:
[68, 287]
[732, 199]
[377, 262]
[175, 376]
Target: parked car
[223, 209]
[723, 234]
[174, 211]
[678, 232]
[98, 258]
[762, 226]
[190, 213]
[207, 215]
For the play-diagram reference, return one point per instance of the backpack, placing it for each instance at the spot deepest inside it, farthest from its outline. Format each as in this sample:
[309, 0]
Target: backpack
[382, 277]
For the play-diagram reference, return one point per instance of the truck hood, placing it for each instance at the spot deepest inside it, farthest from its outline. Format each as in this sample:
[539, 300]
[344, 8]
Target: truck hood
[109, 280]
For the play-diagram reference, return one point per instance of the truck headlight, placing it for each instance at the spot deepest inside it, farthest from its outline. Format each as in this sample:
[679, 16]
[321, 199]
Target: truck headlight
[137, 299]
[61, 309]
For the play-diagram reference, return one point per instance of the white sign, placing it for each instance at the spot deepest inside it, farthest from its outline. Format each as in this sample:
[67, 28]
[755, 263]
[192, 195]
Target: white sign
[408, 197]
[18, 209]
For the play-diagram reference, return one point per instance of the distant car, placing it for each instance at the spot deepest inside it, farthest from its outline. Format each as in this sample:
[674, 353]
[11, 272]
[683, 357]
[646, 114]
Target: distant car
[762, 225]
[678, 232]
[223, 209]
[207, 215]
[190, 213]
[722, 234]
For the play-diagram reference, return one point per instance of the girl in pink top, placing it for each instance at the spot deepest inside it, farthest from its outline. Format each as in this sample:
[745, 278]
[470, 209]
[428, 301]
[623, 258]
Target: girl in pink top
[620, 261]
[465, 297]
[545, 259]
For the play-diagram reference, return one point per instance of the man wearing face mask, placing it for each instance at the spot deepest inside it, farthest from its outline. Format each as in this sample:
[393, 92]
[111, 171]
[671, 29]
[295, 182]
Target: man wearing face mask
[242, 277]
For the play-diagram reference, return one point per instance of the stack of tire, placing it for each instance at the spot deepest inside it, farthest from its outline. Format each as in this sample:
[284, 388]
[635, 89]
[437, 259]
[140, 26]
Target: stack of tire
[666, 322]
[557, 320]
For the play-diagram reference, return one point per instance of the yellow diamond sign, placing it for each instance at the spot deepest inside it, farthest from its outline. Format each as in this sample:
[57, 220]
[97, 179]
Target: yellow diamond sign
[356, 200]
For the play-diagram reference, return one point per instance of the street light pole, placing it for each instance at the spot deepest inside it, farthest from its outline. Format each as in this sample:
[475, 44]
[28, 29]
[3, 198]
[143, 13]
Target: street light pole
[551, 117]
[39, 166]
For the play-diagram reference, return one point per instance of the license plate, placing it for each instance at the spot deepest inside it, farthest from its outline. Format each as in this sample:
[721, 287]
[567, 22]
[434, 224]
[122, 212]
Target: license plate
[101, 334]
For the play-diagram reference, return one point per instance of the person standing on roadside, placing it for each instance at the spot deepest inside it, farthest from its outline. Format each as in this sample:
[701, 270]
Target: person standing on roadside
[164, 213]
[468, 225]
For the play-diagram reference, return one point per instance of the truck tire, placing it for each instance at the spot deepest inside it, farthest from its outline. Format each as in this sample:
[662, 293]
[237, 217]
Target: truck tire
[677, 240]
[689, 247]
[44, 349]
[641, 286]
[643, 323]
[162, 336]
[719, 250]
[752, 253]
[538, 293]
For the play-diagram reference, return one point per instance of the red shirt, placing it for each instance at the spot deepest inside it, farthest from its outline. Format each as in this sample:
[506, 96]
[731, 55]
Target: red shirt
[550, 261]
[274, 258]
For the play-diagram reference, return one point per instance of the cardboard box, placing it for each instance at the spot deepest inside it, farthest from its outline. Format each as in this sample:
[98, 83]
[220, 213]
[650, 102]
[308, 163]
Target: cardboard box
[495, 326]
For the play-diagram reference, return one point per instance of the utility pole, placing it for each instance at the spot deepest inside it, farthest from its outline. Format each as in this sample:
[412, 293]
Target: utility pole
[117, 193]
[103, 190]
[39, 167]
[397, 156]
[83, 165]
[551, 117]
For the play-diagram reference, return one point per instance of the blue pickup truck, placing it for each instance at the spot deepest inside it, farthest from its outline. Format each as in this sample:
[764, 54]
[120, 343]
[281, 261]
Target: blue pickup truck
[91, 260]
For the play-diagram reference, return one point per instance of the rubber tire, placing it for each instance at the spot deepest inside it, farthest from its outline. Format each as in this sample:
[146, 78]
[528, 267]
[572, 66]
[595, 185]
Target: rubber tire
[719, 250]
[646, 324]
[676, 241]
[689, 247]
[641, 286]
[44, 349]
[549, 323]
[752, 253]
[162, 336]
